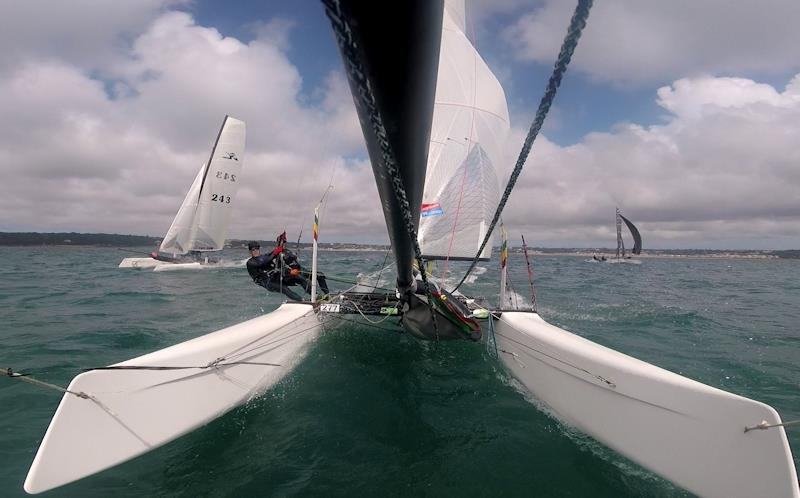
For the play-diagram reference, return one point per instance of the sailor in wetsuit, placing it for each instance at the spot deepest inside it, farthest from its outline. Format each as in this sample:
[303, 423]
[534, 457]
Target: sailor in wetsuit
[279, 270]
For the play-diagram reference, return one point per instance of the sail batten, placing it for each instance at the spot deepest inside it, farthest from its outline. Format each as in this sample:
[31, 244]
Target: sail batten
[470, 125]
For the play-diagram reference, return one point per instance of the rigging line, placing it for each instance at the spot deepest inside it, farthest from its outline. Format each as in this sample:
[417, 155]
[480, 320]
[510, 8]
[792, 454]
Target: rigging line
[355, 305]
[576, 25]
[513, 293]
[383, 267]
[364, 324]
[241, 351]
[530, 273]
[764, 425]
[366, 97]
[213, 364]
[30, 380]
[473, 110]
[565, 362]
[236, 351]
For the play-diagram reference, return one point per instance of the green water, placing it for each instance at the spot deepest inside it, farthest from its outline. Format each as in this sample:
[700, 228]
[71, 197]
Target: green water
[375, 413]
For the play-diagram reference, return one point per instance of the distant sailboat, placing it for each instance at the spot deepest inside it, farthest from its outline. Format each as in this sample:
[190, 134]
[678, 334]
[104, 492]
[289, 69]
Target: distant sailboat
[621, 257]
[201, 224]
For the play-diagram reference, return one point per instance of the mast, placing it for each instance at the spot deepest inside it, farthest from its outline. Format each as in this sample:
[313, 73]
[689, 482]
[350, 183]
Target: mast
[391, 50]
[620, 244]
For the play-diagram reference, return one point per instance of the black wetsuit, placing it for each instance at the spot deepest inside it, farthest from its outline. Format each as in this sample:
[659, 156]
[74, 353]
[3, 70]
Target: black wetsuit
[266, 272]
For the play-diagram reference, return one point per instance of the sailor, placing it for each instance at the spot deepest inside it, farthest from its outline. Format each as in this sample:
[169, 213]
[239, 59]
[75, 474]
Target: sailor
[280, 269]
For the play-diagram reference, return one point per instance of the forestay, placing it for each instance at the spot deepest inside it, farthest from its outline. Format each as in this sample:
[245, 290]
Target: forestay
[470, 126]
[202, 220]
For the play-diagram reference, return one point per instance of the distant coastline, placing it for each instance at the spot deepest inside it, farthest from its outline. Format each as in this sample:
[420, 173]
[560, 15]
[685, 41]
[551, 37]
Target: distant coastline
[120, 240]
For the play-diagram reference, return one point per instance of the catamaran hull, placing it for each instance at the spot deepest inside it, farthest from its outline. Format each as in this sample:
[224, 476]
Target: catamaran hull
[689, 433]
[139, 263]
[130, 412]
[179, 266]
[156, 265]
[623, 261]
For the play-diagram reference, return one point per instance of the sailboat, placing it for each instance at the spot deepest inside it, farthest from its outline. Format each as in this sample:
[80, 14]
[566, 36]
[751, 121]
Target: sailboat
[201, 224]
[708, 441]
[621, 257]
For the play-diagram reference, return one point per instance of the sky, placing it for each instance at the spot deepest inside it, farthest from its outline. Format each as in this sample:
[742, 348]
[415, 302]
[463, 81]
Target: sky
[684, 114]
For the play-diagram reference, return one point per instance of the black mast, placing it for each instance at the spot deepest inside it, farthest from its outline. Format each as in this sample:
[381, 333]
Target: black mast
[394, 48]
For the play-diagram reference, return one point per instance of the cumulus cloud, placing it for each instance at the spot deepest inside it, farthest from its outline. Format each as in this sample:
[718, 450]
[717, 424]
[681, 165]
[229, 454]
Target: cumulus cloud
[83, 33]
[629, 42]
[721, 171]
[112, 142]
[118, 154]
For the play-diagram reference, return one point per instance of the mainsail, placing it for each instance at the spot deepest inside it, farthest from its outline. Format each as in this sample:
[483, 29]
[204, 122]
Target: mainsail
[470, 126]
[202, 220]
[637, 238]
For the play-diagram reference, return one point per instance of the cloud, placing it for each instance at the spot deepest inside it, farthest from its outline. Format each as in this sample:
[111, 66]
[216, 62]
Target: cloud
[82, 33]
[118, 154]
[722, 169]
[628, 42]
[114, 146]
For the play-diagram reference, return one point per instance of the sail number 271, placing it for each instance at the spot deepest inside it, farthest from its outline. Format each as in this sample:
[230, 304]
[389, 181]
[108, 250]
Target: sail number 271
[225, 199]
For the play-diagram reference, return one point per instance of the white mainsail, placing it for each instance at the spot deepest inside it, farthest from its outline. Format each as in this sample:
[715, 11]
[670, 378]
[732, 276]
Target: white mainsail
[470, 126]
[202, 220]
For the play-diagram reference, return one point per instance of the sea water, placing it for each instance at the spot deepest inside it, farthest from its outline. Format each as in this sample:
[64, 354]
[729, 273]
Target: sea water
[370, 411]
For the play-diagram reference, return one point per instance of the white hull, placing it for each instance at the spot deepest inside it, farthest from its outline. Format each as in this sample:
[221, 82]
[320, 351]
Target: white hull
[147, 263]
[178, 266]
[131, 412]
[139, 263]
[689, 433]
[621, 261]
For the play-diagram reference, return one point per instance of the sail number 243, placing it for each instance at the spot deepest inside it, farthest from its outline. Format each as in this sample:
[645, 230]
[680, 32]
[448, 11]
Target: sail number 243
[225, 199]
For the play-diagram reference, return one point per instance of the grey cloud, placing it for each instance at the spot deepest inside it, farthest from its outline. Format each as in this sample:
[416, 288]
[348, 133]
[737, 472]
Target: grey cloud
[629, 42]
[716, 166]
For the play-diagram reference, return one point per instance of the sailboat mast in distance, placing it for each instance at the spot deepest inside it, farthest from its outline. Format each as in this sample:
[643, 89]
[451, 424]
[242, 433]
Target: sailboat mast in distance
[620, 244]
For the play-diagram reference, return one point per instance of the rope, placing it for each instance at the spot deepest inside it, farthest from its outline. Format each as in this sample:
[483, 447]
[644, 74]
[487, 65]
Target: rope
[219, 362]
[764, 425]
[530, 274]
[576, 25]
[30, 380]
[366, 98]
[365, 316]
[576, 367]
[383, 267]
[364, 324]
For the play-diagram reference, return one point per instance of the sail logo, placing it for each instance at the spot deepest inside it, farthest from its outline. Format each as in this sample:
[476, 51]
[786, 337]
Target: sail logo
[229, 155]
[432, 209]
[224, 175]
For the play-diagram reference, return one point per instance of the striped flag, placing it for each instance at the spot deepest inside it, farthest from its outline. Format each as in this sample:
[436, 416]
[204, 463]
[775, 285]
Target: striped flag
[316, 223]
